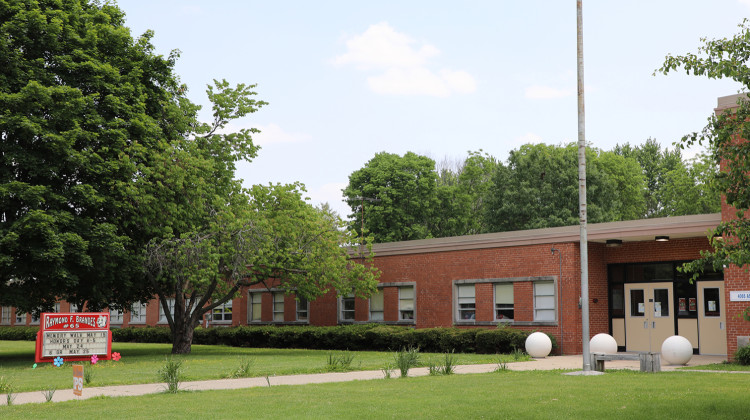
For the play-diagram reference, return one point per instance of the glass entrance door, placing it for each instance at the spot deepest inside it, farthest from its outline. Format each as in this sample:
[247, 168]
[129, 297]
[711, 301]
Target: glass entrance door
[712, 324]
[649, 315]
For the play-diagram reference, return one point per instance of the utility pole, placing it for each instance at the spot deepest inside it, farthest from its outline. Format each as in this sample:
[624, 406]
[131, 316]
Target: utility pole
[362, 229]
[582, 197]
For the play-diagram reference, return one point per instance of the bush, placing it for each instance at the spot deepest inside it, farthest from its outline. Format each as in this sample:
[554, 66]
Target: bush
[505, 340]
[742, 356]
[18, 333]
[355, 337]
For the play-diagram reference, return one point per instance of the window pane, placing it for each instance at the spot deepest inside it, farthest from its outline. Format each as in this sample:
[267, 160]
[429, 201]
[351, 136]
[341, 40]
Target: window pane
[544, 288]
[711, 301]
[376, 301]
[637, 305]
[504, 293]
[661, 302]
[545, 315]
[466, 291]
[406, 292]
[544, 302]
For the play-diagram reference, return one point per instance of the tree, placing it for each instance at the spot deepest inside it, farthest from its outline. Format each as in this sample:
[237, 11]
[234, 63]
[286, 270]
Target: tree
[275, 238]
[726, 136]
[689, 189]
[84, 108]
[539, 188]
[462, 194]
[404, 190]
[655, 164]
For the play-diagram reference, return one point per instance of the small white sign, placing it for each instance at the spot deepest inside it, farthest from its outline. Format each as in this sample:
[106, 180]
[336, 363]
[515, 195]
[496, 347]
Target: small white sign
[739, 296]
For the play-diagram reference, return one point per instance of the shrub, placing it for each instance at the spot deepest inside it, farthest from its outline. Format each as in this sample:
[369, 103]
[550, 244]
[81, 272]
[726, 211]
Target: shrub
[18, 333]
[505, 340]
[742, 356]
[406, 359]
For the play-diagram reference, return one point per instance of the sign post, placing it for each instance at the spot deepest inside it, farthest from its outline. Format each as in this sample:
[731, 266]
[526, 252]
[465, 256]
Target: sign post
[73, 336]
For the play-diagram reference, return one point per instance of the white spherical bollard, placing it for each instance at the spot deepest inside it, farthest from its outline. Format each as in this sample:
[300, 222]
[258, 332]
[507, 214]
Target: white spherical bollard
[676, 350]
[603, 343]
[538, 345]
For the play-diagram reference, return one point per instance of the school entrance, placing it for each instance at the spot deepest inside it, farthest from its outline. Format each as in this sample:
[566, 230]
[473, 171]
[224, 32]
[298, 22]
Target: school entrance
[653, 301]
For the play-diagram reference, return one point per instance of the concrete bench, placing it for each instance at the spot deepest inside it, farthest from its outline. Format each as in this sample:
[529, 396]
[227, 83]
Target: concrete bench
[650, 362]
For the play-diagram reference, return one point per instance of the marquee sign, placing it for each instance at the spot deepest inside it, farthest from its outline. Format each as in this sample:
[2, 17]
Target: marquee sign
[73, 336]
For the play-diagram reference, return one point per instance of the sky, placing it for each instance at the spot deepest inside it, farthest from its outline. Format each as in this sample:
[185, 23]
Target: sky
[345, 80]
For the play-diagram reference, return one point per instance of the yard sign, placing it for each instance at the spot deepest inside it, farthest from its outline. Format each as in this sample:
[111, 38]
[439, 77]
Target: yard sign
[73, 336]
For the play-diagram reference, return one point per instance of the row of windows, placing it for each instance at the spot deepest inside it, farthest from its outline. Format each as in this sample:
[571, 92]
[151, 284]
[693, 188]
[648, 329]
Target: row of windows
[220, 314]
[301, 310]
[504, 303]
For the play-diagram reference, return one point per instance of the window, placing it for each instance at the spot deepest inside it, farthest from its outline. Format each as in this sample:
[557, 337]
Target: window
[255, 306]
[222, 313]
[115, 316]
[5, 316]
[74, 307]
[347, 308]
[20, 318]
[376, 306]
[544, 301]
[504, 301]
[162, 316]
[278, 307]
[57, 308]
[406, 303]
[34, 319]
[138, 313]
[466, 302]
[302, 307]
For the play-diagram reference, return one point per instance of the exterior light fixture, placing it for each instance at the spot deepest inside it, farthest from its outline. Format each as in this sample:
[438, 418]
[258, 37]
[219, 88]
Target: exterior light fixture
[662, 238]
[614, 243]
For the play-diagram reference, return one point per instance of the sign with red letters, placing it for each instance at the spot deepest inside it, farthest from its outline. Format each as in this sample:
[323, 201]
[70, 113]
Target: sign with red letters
[73, 336]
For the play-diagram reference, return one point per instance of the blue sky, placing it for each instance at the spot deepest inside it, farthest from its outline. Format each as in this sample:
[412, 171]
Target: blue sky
[348, 79]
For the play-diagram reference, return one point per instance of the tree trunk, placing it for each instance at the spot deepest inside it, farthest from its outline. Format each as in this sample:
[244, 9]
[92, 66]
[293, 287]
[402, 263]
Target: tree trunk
[182, 335]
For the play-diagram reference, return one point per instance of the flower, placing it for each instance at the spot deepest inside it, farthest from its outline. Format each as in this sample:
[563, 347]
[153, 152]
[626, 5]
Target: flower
[58, 361]
[115, 356]
[94, 359]
[34, 367]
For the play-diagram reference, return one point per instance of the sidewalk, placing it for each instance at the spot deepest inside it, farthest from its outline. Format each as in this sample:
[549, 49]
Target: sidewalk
[548, 363]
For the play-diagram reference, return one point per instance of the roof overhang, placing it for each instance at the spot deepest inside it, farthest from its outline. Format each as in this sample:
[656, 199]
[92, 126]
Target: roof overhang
[628, 231]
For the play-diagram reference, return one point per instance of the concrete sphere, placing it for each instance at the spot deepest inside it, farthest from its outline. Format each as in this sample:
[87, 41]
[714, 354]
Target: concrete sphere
[538, 345]
[676, 350]
[603, 343]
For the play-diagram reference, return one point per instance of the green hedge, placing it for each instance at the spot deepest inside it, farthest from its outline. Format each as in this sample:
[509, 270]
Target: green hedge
[345, 337]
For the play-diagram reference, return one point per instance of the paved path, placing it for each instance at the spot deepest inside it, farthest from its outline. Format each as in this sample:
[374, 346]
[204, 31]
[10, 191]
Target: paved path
[549, 363]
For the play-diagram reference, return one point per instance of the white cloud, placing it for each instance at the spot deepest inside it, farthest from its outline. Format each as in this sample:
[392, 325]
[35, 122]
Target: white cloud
[402, 66]
[547, 92]
[745, 2]
[381, 47]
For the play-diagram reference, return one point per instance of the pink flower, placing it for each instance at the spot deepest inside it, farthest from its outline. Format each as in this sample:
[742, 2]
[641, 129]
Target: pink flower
[94, 359]
[116, 356]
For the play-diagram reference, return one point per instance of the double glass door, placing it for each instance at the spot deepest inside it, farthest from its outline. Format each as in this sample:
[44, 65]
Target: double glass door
[649, 315]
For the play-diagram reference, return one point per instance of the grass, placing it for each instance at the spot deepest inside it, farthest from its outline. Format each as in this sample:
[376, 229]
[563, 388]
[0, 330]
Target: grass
[525, 395]
[140, 363]
[727, 367]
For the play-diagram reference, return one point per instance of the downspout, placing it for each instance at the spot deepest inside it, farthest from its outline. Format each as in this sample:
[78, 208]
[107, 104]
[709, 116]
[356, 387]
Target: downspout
[560, 299]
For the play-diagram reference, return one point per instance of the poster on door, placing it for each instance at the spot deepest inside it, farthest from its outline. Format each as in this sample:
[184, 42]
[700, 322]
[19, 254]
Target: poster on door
[657, 309]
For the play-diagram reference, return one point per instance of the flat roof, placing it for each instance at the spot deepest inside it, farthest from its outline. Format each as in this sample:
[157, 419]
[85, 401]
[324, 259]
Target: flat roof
[628, 231]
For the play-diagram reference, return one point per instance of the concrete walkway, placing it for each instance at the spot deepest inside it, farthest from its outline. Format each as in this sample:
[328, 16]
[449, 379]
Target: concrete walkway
[548, 363]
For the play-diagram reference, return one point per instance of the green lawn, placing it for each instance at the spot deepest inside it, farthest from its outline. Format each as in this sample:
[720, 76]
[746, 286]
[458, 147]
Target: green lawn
[720, 367]
[140, 363]
[512, 395]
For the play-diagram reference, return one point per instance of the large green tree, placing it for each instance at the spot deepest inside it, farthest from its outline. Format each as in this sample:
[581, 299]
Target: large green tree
[538, 188]
[84, 108]
[656, 163]
[726, 136]
[272, 237]
[393, 197]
